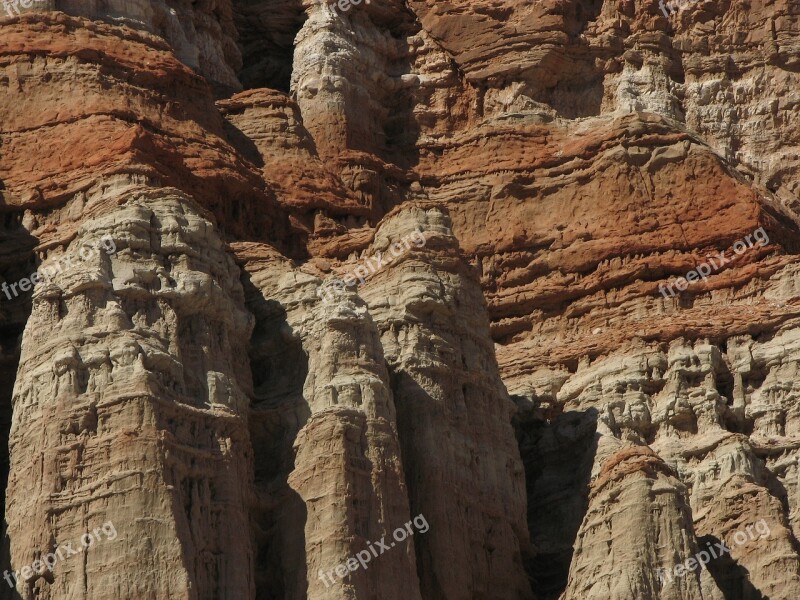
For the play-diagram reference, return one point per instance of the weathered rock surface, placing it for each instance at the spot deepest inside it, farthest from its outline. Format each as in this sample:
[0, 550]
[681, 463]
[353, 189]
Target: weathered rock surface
[517, 376]
[435, 332]
[133, 409]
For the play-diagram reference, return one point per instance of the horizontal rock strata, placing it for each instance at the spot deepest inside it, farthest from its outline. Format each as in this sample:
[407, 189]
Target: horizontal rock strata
[524, 269]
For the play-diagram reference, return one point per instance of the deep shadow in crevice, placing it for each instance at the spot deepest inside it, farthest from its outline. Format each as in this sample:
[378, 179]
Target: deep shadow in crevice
[401, 129]
[571, 82]
[279, 367]
[243, 144]
[731, 577]
[557, 452]
[17, 261]
[409, 400]
[267, 29]
[10, 338]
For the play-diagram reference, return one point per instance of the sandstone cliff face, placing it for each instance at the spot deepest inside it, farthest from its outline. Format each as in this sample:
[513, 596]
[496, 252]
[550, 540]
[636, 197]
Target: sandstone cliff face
[123, 405]
[400, 263]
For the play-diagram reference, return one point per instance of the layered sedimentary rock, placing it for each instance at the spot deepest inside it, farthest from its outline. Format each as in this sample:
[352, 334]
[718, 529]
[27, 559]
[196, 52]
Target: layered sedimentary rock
[143, 115]
[572, 419]
[336, 409]
[265, 125]
[434, 329]
[202, 35]
[639, 520]
[135, 407]
[133, 410]
[571, 279]
[339, 405]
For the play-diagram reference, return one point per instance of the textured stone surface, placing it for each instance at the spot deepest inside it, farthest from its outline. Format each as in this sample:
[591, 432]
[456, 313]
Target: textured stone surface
[434, 329]
[133, 409]
[336, 409]
[202, 35]
[638, 521]
[518, 379]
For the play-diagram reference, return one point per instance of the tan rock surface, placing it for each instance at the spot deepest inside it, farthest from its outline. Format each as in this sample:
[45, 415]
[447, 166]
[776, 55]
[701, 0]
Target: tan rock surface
[112, 423]
[453, 413]
[518, 379]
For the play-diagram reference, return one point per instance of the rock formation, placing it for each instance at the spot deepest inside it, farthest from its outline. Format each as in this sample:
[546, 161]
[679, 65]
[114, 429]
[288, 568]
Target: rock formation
[309, 270]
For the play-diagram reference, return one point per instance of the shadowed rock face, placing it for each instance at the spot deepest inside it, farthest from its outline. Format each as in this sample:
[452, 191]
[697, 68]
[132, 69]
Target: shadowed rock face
[400, 267]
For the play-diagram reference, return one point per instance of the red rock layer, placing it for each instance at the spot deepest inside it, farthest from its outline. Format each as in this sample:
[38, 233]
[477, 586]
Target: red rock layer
[585, 154]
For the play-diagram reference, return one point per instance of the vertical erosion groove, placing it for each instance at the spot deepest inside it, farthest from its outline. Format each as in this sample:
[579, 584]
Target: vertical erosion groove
[17, 260]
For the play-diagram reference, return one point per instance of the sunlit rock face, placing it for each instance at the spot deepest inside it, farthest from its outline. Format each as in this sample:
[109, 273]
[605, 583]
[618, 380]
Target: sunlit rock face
[202, 35]
[527, 271]
[123, 425]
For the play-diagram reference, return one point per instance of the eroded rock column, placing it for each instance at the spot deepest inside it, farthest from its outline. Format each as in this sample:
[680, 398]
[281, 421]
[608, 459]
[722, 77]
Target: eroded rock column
[130, 407]
[462, 463]
[346, 466]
